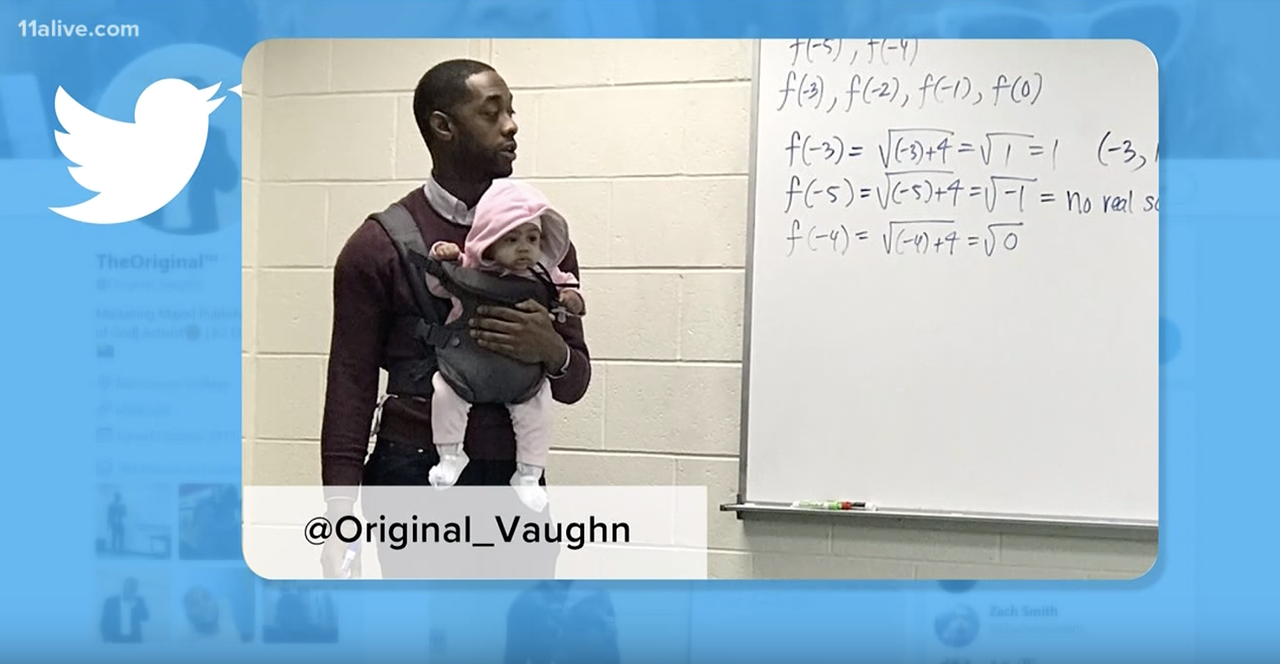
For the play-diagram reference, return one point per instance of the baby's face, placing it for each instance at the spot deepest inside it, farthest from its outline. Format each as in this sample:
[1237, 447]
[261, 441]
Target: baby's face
[519, 249]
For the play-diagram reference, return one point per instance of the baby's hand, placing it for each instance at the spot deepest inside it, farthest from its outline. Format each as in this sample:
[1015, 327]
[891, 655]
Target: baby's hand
[445, 251]
[573, 302]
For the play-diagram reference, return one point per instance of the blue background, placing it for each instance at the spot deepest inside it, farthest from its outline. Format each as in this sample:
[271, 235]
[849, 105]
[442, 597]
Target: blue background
[71, 403]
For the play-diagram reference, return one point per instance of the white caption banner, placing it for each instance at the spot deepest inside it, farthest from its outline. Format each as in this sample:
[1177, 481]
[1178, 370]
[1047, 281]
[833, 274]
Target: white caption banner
[610, 532]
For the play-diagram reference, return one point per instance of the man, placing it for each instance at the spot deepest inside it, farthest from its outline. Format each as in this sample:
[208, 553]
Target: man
[115, 522]
[463, 110]
[123, 615]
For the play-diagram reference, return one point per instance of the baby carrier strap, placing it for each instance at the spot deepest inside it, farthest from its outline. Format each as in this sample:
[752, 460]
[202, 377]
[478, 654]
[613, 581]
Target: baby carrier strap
[470, 283]
[413, 378]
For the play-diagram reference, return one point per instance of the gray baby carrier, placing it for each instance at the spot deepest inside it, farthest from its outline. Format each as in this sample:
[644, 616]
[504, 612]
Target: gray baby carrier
[478, 375]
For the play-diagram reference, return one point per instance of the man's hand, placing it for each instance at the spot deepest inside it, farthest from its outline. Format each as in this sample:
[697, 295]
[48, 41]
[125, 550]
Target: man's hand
[445, 251]
[334, 550]
[332, 553]
[524, 333]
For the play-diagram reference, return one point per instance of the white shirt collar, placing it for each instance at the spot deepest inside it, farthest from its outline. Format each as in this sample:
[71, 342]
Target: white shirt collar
[447, 204]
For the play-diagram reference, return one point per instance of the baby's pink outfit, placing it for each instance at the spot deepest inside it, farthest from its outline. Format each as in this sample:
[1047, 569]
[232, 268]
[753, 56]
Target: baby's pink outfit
[504, 207]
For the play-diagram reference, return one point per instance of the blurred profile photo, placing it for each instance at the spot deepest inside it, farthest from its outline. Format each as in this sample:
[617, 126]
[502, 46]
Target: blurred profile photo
[133, 606]
[209, 522]
[214, 605]
[295, 612]
[134, 522]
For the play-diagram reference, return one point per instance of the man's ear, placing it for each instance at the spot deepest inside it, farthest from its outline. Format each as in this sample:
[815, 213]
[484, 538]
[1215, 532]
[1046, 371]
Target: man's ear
[441, 126]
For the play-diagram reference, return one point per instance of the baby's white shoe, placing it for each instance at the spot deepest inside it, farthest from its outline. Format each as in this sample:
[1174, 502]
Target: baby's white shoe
[525, 481]
[453, 460]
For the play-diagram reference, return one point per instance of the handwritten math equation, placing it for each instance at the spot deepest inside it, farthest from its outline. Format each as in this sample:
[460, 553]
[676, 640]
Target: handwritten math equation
[828, 93]
[855, 51]
[929, 171]
[939, 235]
[919, 146]
[947, 192]
[906, 236]
[945, 188]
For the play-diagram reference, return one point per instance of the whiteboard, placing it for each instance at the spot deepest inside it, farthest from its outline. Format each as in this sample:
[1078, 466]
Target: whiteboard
[952, 292]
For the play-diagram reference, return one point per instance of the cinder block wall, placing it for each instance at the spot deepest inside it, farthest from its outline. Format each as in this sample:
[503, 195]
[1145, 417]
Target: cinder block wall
[645, 146]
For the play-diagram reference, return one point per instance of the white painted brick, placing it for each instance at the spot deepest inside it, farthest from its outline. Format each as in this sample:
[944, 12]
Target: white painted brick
[728, 565]
[632, 315]
[690, 409]
[586, 469]
[610, 132]
[412, 161]
[586, 206]
[810, 567]
[369, 65]
[580, 426]
[296, 66]
[297, 312]
[680, 222]
[1118, 555]
[680, 60]
[291, 225]
[249, 203]
[552, 63]
[291, 464]
[711, 316]
[717, 128]
[247, 446]
[1115, 576]
[871, 568]
[913, 544]
[248, 311]
[290, 397]
[251, 138]
[528, 116]
[642, 131]
[248, 395]
[726, 531]
[328, 138]
[252, 70]
[350, 205]
[532, 63]
[944, 571]
[720, 476]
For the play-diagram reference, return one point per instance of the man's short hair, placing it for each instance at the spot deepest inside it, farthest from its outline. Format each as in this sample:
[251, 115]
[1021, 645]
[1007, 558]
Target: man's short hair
[443, 88]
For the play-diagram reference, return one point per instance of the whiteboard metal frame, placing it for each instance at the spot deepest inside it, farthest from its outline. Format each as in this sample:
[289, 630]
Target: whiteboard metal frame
[1141, 529]
[748, 274]
[1025, 524]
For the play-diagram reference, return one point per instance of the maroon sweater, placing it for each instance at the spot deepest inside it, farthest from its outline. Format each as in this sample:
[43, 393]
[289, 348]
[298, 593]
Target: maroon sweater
[369, 292]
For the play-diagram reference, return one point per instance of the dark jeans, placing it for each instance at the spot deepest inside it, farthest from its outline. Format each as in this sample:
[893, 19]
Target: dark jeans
[397, 464]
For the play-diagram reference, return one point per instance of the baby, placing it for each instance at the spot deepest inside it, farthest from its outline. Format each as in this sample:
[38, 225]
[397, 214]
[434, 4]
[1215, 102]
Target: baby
[515, 232]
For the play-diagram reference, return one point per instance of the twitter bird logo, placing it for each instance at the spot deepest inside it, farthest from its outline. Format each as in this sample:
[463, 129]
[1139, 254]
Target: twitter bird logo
[135, 168]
